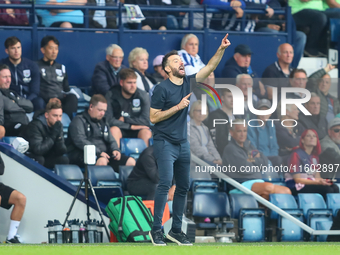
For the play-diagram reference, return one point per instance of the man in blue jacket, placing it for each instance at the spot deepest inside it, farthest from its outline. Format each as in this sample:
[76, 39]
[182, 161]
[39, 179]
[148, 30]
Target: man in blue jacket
[24, 72]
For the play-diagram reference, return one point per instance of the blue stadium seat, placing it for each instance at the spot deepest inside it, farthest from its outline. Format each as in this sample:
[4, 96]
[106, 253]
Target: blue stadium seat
[271, 176]
[8, 139]
[287, 230]
[251, 221]
[82, 103]
[132, 147]
[212, 205]
[323, 225]
[65, 120]
[333, 202]
[151, 141]
[204, 186]
[334, 29]
[72, 173]
[124, 172]
[314, 209]
[106, 183]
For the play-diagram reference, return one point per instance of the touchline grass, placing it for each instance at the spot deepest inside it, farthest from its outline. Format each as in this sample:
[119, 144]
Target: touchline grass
[172, 249]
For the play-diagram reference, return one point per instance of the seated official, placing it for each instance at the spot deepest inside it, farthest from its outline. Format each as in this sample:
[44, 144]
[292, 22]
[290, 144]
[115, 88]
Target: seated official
[14, 107]
[201, 144]
[128, 109]
[91, 128]
[106, 73]
[45, 136]
[304, 175]
[241, 154]
[143, 179]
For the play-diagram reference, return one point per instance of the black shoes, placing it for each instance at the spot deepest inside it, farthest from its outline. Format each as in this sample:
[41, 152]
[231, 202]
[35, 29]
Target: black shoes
[179, 238]
[13, 240]
[157, 238]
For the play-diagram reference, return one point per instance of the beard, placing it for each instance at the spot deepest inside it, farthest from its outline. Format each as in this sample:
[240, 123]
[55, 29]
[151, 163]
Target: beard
[128, 92]
[176, 73]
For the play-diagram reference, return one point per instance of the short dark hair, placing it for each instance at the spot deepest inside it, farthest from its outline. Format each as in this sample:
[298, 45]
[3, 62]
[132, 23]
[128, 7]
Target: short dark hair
[95, 99]
[10, 41]
[127, 73]
[47, 39]
[3, 66]
[296, 70]
[223, 91]
[53, 103]
[165, 59]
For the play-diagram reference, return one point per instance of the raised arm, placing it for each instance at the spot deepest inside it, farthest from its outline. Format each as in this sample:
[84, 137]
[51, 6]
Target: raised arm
[214, 61]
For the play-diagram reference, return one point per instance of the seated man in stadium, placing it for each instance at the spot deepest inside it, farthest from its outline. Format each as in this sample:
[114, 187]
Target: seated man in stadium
[330, 148]
[297, 79]
[59, 17]
[320, 82]
[243, 82]
[128, 109]
[143, 179]
[14, 108]
[314, 121]
[106, 73]
[91, 128]
[239, 63]
[220, 132]
[262, 134]
[13, 17]
[25, 73]
[9, 197]
[53, 77]
[159, 75]
[241, 154]
[277, 74]
[45, 136]
[201, 144]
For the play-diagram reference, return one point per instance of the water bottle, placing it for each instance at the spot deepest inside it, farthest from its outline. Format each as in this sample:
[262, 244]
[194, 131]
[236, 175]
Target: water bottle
[92, 231]
[75, 231]
[100, 232]
[82, 231]
[66, 234]
[51, 232]
[58, 230]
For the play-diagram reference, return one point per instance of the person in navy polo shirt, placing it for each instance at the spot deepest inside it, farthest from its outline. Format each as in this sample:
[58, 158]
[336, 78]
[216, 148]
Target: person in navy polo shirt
[169, 109]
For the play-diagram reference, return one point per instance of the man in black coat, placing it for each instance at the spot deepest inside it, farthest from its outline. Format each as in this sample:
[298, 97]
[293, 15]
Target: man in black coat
[45, 136]
[106, 73]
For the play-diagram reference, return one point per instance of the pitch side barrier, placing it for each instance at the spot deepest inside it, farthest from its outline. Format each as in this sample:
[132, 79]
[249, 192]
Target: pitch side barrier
[265, 202]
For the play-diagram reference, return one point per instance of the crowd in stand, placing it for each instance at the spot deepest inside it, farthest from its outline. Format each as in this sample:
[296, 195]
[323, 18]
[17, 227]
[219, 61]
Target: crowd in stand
[120, 105]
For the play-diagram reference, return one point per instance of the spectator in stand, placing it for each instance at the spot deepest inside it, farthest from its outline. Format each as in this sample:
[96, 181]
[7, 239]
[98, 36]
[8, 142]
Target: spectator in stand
[304, 176]
[9, 197]
[240, 153]
[220, 132]
[138, 61]
[25, 73]
[159, 75]
[45, 136]
[128, 111]
[59, 17]
[314, 121]
[288, 136]
[320, 82]
[143, 179]
[102, 18]
[14, 106]
[297, 79]
[201, 144]
[243, 82]
[240, 64]
[53, 77]
[277, 74]
[153, 19]
[13, 17]
[330, 148]
[91, 128]
[106, 73]
[262, 135]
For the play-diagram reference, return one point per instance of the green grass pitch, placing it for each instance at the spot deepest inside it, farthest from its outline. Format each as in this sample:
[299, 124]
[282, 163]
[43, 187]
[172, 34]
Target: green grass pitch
[172, 249]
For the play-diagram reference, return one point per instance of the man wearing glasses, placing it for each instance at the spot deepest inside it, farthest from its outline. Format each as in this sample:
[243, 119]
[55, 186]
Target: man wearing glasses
[297, 79]
[106, 73]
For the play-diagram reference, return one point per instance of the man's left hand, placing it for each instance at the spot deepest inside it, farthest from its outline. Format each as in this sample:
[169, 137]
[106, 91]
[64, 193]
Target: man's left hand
[171, 193]
[116, 155]
[225, 42]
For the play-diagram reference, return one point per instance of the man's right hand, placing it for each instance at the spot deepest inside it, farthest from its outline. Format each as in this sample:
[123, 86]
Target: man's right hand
[184, 102]
[56, 129]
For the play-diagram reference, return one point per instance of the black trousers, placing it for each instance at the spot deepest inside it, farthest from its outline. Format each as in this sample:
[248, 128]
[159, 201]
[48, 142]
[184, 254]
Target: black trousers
[321, 189]
[49, 161]
[70, 104]
[142, 187]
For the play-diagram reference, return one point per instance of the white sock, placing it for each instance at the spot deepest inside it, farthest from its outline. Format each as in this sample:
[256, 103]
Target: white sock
[13, 228]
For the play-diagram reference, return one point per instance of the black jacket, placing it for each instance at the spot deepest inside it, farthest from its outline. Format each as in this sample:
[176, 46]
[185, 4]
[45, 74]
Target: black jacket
[85, 131]
[318, 123]
[38, 134]
[103, 78]
[15, 108]
[25, 78]
[138, 112]
[53, 80]
[275, 77]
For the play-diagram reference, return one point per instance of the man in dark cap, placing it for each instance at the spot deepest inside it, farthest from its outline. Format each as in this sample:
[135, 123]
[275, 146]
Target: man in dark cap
[240, 64]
